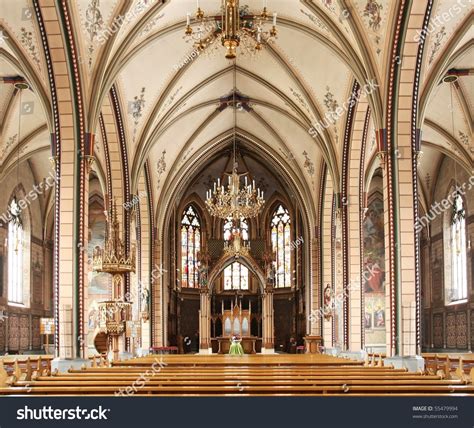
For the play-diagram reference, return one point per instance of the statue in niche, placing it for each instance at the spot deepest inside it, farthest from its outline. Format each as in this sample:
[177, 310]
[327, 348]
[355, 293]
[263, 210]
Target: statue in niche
[327, 302]
[203, 268]
[145, 303]
[236, 240]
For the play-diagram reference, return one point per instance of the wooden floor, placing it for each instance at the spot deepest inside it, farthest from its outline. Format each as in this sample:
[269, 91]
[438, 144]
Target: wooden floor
[248, 375]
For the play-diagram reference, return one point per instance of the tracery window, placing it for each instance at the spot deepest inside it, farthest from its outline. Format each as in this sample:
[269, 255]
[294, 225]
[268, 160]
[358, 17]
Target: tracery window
[458, 289]
[15, 254]
[190, 247]
[236, 277]
[281, 245]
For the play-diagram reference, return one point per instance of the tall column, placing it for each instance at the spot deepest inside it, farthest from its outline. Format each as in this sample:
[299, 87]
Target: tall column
[327, 260]
[70, 148]
[402, 146]
[205, 322]
[315, 321]
[157, 292]
[268, 345]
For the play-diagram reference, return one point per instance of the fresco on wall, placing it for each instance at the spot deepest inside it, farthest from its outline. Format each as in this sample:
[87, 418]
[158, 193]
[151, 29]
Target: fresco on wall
[374, 273]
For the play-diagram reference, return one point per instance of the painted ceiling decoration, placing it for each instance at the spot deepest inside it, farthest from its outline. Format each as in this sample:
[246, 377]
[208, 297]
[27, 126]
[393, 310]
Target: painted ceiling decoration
[173, 96]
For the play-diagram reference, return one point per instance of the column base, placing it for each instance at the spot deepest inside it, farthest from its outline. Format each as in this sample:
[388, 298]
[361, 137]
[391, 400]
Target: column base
[62, 365]
[205, 351]
[413, 363]
[268, 351]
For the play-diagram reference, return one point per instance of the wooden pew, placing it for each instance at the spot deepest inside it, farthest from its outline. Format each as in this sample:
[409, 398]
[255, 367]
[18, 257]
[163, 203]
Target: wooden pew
[207, 376]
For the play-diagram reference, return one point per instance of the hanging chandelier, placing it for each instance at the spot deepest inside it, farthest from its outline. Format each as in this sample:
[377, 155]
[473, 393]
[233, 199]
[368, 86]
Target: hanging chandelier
[236, 27]
[234, 201]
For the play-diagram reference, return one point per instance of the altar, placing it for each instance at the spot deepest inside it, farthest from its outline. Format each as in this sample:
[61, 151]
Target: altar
[236, 322]
[250, 344]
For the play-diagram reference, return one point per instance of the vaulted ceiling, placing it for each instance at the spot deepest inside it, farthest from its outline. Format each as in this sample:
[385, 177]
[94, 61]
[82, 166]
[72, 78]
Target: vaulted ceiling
[170, 97]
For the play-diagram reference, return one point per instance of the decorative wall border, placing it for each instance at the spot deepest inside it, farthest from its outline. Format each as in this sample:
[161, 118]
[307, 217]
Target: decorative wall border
[415, 147]
[355, 93]
[126, 180]
[322, 188]
[105, 142]
[361, 221]
[149, 190]
[56, 155]
[83, 151]
[333, 262]
[125, 171]
[386, 142]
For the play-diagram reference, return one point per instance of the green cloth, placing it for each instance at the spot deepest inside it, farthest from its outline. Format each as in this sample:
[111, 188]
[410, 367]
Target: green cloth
[236, 349]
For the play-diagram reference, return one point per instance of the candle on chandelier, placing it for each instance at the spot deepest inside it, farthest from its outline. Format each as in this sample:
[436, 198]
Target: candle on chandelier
[274, 18]
[218, 182]
[245, 178]
[214, 186]
[188, 18]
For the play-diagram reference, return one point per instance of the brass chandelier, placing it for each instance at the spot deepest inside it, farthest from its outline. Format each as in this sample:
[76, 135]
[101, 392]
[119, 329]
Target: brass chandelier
[234, 201]
[236, 27]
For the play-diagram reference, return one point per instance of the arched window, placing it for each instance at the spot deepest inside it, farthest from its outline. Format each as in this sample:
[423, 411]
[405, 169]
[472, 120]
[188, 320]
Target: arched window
[236, 277]
[244, 229]
[15, 254]
[458, 289]
[190, 247]
[281, 245]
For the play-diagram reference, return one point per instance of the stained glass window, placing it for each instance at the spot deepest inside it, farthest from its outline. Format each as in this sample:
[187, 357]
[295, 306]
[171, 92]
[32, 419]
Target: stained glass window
[244, 229]
[190, 247]
[236, 277]
[458, 252]
[281, 245]
[15, 255]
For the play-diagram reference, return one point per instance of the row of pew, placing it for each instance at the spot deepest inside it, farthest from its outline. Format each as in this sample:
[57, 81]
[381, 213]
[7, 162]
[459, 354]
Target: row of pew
[225, 375]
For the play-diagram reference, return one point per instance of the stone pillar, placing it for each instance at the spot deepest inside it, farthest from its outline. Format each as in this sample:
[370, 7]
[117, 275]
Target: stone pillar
[327, 260]
[354, 220]
[69, 147]
[402, 141]
[314, 322]
[205, 322]
[268, 345]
